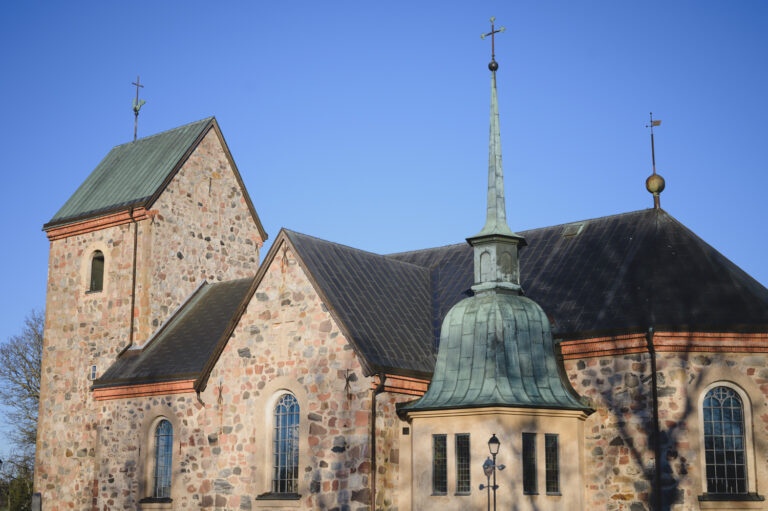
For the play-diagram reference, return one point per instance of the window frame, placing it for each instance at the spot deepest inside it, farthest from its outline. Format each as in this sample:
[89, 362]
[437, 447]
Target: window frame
[749, 450]
[92, 260]
[547, 468]
[533, 473]
[293, 427]
[444, 438]
[157, 456]
[147, 459]
[468, 489]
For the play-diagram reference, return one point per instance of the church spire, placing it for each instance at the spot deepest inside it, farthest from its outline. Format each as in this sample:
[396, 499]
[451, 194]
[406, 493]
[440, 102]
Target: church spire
[496, 246]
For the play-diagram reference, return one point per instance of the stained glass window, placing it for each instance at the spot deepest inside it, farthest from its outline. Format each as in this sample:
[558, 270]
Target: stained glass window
[163, 454]
[439, 465]
[724, 442]
[529, 463]
[97, 271]
[552, 464]
[286, 445]
[462, 463]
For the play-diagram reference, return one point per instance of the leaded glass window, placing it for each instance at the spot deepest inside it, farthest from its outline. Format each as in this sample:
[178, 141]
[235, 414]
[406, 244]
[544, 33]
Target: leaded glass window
[462, 463]
[97, 271]
[552, 464]
[163, 458]
[286, 445]
[724, 442]
[439, 465]
[529, 463]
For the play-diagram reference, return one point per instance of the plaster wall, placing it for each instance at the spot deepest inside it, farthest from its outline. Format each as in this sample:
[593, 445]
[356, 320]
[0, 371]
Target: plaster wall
[508, 424]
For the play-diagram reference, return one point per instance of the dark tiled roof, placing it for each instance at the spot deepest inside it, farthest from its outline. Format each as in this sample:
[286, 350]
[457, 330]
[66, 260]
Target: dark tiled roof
[385, 304]
[181, 348]
[130, 173]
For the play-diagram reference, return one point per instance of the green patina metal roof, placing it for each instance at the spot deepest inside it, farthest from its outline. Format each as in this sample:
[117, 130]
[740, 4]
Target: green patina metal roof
[130, 173]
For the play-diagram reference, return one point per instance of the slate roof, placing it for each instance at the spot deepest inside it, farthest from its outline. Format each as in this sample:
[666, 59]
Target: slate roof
[617, 274]
[181, 348]
[130, 173]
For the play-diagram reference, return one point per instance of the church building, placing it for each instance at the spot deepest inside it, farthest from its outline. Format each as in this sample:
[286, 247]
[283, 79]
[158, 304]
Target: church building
[614, 363]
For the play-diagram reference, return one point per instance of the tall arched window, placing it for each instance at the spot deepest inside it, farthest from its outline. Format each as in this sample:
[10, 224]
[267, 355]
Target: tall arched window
[163, 454]
[724, 442]
[97, 271]
[285, 448]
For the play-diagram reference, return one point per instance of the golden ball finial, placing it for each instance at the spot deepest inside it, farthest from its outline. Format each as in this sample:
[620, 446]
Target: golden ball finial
[655, 184]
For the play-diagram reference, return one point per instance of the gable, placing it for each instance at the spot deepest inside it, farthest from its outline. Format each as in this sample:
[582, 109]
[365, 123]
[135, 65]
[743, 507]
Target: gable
[133, 175]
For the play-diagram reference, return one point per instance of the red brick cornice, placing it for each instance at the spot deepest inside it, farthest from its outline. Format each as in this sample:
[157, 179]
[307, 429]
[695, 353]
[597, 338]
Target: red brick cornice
[402, 385]
[147, 389]
[719, 342]
[95, 224]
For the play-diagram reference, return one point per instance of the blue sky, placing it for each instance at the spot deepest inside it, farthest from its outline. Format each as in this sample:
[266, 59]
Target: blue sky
[366, 123]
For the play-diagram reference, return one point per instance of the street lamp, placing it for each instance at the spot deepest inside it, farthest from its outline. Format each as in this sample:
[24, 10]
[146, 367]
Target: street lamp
[489, 469]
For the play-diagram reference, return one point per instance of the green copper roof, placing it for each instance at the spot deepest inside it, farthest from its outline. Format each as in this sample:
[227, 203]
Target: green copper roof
[496, 211]
[496, 350]
[130, 173]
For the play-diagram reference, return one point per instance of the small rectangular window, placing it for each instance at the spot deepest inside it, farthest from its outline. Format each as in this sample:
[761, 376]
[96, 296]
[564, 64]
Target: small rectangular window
[552, 464]
[439, 465]
[529, 463]
[462, 463]
[93, 372]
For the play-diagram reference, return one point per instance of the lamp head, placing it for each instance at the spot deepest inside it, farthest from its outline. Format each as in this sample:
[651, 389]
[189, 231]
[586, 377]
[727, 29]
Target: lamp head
[494, 444]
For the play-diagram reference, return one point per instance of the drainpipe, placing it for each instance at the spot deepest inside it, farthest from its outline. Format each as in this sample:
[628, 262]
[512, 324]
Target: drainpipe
[133, 279]
[656, 428]
[378, 390]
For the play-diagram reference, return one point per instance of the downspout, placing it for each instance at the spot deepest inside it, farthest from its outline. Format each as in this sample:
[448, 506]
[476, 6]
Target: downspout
[656, 428]
[133, 278]
[378, 390]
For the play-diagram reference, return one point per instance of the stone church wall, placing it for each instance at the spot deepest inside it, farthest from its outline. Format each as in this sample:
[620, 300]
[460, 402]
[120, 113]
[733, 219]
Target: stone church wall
[618, 449]
[286, 341]
[202, 229]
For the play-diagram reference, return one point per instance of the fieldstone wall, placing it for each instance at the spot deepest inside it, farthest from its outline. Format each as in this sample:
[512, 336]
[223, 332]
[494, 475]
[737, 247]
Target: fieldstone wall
[286, 341]
[618, 450]
[202, 229]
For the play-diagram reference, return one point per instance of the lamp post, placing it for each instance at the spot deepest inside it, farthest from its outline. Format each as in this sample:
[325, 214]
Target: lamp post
[489, 469]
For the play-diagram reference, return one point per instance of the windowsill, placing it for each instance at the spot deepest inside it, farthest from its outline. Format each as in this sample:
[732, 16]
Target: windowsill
[554, 494]
[530, 493]
[272, 499]
[158, 503]
[462, 494]
[94, 291]
[438, 494]
[725, 501]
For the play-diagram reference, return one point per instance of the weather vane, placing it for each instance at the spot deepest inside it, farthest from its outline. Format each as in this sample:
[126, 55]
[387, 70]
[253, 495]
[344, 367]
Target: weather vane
[655, 183]
[493, 66]
[136, 107]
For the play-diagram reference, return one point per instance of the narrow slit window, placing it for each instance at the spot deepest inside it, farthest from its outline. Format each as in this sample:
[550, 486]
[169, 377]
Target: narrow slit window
[462, 463]
[529, 463]
[97, 271]
[724, 442]
[163, 456]
[439, 465]
[552, 461]
[285, 476]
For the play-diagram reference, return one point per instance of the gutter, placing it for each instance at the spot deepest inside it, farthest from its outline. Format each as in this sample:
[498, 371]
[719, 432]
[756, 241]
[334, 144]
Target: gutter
[656, 427]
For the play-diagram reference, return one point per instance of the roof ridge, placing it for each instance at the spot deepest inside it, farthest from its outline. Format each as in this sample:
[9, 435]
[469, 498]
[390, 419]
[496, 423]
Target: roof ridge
[424, 249]
[604, 217]
[206, 119]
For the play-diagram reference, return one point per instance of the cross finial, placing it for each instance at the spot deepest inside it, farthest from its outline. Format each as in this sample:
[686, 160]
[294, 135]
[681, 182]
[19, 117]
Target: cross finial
[493, 66]
[136, 107]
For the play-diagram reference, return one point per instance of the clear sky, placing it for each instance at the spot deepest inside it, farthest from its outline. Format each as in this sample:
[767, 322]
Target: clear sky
[366, 123]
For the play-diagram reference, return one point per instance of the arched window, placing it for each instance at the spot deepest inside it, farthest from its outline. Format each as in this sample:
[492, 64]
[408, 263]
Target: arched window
[285, 447]
[163, 454]
[97, 271]
[724, 442]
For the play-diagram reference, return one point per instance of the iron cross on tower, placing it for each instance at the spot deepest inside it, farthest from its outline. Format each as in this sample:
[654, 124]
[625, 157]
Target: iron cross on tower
[493, 66]
[136, 107]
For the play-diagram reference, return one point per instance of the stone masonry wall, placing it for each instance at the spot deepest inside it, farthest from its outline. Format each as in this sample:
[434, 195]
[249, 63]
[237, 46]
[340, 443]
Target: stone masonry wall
[618, 450]
[286, 341]
[202, 229]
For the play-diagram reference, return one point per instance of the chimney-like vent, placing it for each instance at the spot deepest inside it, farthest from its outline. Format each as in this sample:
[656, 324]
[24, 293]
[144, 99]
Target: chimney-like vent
[573, 230]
